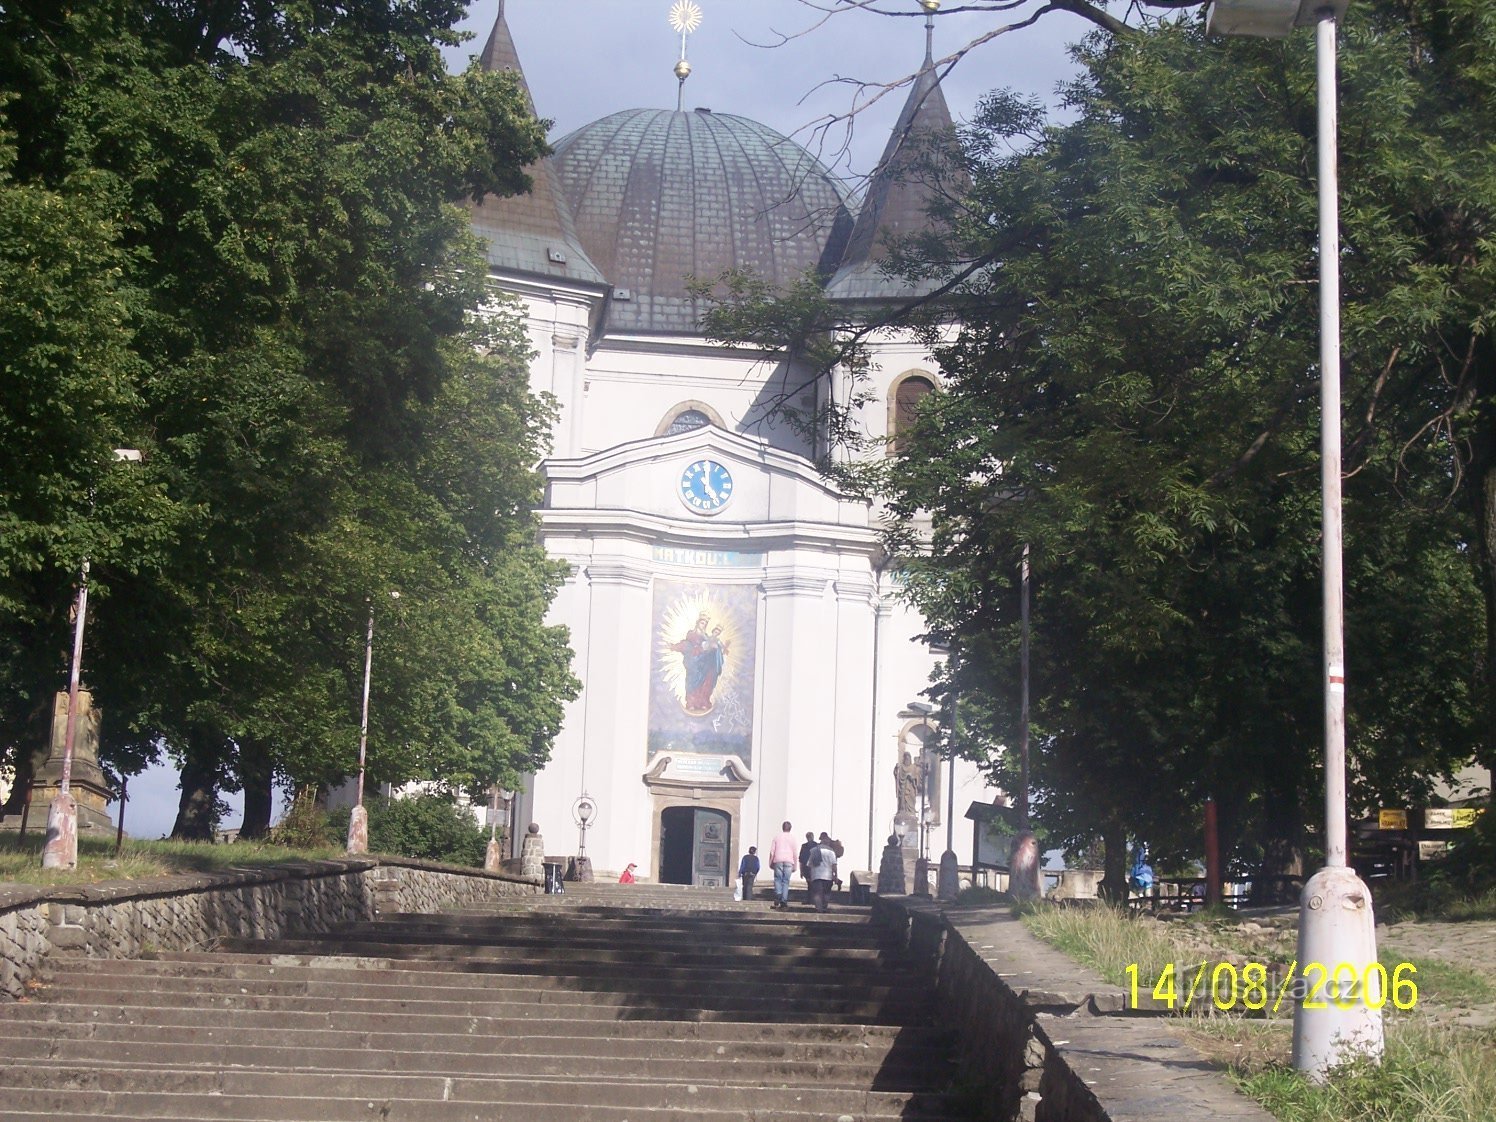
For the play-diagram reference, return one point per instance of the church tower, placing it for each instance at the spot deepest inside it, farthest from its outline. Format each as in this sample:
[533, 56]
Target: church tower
[744, 657]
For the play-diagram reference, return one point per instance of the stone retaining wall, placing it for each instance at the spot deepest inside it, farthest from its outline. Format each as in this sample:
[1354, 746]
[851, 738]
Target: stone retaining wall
[1042, 1038]
[122, 919]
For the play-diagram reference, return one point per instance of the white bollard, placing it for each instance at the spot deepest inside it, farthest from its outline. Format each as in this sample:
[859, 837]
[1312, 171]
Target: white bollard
[1339, 990]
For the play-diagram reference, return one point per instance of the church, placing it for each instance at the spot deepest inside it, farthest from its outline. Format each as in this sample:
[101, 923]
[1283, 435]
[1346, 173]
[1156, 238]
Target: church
[744, 653]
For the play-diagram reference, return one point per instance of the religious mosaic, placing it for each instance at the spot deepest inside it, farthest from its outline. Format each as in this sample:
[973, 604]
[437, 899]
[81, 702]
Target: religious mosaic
[702, 669]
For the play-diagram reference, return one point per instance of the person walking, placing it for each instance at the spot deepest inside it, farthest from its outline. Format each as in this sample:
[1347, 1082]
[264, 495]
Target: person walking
[748, 870]
[810, 843]
[822, 861]
[782, 861]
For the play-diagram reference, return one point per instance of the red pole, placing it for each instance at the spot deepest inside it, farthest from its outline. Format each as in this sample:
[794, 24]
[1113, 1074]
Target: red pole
[1213, 893]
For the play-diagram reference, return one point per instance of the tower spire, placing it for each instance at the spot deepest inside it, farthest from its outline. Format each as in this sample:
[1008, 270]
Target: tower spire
[930, 7]
[685, 17]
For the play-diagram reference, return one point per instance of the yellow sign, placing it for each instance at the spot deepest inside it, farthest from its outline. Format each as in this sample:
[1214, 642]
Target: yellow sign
[1392, 819]
[1450, 817]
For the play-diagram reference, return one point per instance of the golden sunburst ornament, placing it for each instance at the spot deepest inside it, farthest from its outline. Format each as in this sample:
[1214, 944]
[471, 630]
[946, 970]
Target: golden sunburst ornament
[685, 16]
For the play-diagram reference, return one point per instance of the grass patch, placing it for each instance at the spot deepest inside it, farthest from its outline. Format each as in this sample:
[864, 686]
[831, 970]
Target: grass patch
[21, 863]
[1444, 983]
[1434, 901]
[1109, 940]
[1428, 1074]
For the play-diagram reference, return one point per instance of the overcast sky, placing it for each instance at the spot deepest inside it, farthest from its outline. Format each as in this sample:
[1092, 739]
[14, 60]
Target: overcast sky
[585, 59]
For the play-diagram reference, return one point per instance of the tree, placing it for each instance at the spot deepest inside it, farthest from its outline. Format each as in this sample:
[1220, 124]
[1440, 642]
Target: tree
[1132, 394]
[277, 186]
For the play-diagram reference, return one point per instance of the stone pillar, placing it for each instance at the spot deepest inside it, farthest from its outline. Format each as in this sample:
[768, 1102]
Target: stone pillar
[87, 784]
[532, 853]
[891, 880]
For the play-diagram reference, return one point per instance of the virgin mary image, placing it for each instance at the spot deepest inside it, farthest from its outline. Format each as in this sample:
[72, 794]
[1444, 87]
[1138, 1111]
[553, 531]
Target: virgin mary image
[703, 655]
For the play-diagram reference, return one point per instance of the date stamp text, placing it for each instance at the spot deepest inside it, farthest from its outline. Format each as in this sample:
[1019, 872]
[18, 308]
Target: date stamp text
[1256, 987]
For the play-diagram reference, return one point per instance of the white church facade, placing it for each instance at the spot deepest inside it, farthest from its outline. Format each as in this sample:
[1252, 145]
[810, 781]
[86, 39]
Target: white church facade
[744, 654]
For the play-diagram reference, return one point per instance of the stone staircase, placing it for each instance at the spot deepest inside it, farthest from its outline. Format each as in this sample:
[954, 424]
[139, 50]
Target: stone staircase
[615, 1003]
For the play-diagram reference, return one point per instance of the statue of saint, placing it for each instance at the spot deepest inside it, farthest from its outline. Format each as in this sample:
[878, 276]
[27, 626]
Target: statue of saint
[907, 777]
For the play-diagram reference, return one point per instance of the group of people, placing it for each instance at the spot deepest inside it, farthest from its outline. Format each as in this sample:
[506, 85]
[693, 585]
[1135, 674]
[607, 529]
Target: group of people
[816, 860]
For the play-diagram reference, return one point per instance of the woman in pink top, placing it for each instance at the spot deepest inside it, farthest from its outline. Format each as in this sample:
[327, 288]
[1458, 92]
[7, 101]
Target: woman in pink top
[782, 856]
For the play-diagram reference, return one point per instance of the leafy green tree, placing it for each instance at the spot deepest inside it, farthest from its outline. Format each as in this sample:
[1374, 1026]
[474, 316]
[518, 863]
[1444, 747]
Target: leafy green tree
[1132, 394]
[426, 825]
[276, 188]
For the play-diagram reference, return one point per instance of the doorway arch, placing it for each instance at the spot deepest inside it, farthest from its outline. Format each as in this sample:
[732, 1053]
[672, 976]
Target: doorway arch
[695, 846]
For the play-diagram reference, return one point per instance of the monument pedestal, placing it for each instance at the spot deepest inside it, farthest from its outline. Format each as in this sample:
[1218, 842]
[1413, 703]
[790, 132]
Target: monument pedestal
[87, 785]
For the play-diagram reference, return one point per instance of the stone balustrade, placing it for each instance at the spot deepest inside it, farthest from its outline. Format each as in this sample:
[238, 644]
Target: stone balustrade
[1043, 1039]
[124, 919]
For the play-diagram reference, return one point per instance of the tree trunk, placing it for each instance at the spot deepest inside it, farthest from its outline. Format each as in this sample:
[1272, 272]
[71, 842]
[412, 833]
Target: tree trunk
[39, 734]
[258, 776]
[1113, 886]
[197, 812]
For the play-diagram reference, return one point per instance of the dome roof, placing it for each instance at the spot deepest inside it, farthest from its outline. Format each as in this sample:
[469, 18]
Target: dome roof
[658, 196]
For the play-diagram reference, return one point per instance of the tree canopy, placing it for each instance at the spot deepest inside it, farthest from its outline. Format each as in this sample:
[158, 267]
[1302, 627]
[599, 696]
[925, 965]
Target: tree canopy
[1131, 391]
[238, 246]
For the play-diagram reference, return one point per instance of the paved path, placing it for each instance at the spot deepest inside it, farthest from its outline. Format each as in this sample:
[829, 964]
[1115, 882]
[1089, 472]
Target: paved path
[1470, 945]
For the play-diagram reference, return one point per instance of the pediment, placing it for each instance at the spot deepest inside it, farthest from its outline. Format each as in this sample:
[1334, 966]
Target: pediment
[705, 476]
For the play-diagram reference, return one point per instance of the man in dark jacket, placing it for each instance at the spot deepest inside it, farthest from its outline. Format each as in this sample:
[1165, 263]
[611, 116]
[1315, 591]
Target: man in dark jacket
[747, 870]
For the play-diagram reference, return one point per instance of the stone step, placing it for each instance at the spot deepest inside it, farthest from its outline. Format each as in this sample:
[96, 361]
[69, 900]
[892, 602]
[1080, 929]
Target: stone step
[288, 974]
[638, 961]
[714, 947]
[575, 1008]
[404, 1032]
[379, 1052]
[297, 1096]
[281, 973]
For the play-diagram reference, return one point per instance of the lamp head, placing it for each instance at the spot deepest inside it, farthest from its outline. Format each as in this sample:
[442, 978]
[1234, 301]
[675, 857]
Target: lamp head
[1268, 19]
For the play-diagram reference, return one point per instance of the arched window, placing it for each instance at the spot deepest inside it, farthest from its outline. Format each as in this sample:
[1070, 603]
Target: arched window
[687, 420]
[908, 391]
[685, 416]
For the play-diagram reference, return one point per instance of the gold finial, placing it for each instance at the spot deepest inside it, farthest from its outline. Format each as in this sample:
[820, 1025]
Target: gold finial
[685, 17]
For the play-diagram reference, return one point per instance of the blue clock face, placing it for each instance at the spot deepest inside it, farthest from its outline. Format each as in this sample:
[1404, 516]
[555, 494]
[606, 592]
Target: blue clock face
[705, 486]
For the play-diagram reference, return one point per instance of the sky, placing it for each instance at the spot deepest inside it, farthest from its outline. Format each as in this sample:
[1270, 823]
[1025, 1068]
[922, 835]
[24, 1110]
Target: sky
[584, 59]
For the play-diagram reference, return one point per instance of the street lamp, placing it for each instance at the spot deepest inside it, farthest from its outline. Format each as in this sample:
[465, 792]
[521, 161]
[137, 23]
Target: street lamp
[1024, 870]
[583, 812]
[1336, 925]
[358, 817]
[60, 850]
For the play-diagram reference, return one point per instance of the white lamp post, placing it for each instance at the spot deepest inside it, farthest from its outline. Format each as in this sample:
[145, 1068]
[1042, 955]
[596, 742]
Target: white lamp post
[358, 818]
[1336, 927]
[60, 850]
[1024, 867]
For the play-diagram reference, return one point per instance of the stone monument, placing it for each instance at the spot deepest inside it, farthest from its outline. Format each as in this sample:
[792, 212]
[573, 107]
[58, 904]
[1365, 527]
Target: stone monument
[891, 880]
[532, 853]
[87, 785]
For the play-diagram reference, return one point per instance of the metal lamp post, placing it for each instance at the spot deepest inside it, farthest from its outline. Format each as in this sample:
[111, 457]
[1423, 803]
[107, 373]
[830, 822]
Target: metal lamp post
[1024, 872]
[1336, 925]
[60, 850]
[358, 818]
[583, 813]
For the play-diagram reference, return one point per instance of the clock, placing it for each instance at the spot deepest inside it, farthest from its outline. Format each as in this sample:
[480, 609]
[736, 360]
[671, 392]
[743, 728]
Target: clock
[705, 486]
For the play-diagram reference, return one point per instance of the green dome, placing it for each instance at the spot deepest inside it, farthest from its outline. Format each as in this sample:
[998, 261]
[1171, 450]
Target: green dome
[659, 196]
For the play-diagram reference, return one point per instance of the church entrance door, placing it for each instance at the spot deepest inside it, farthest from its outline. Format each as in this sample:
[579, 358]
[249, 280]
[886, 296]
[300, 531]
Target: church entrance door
[694, 846]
